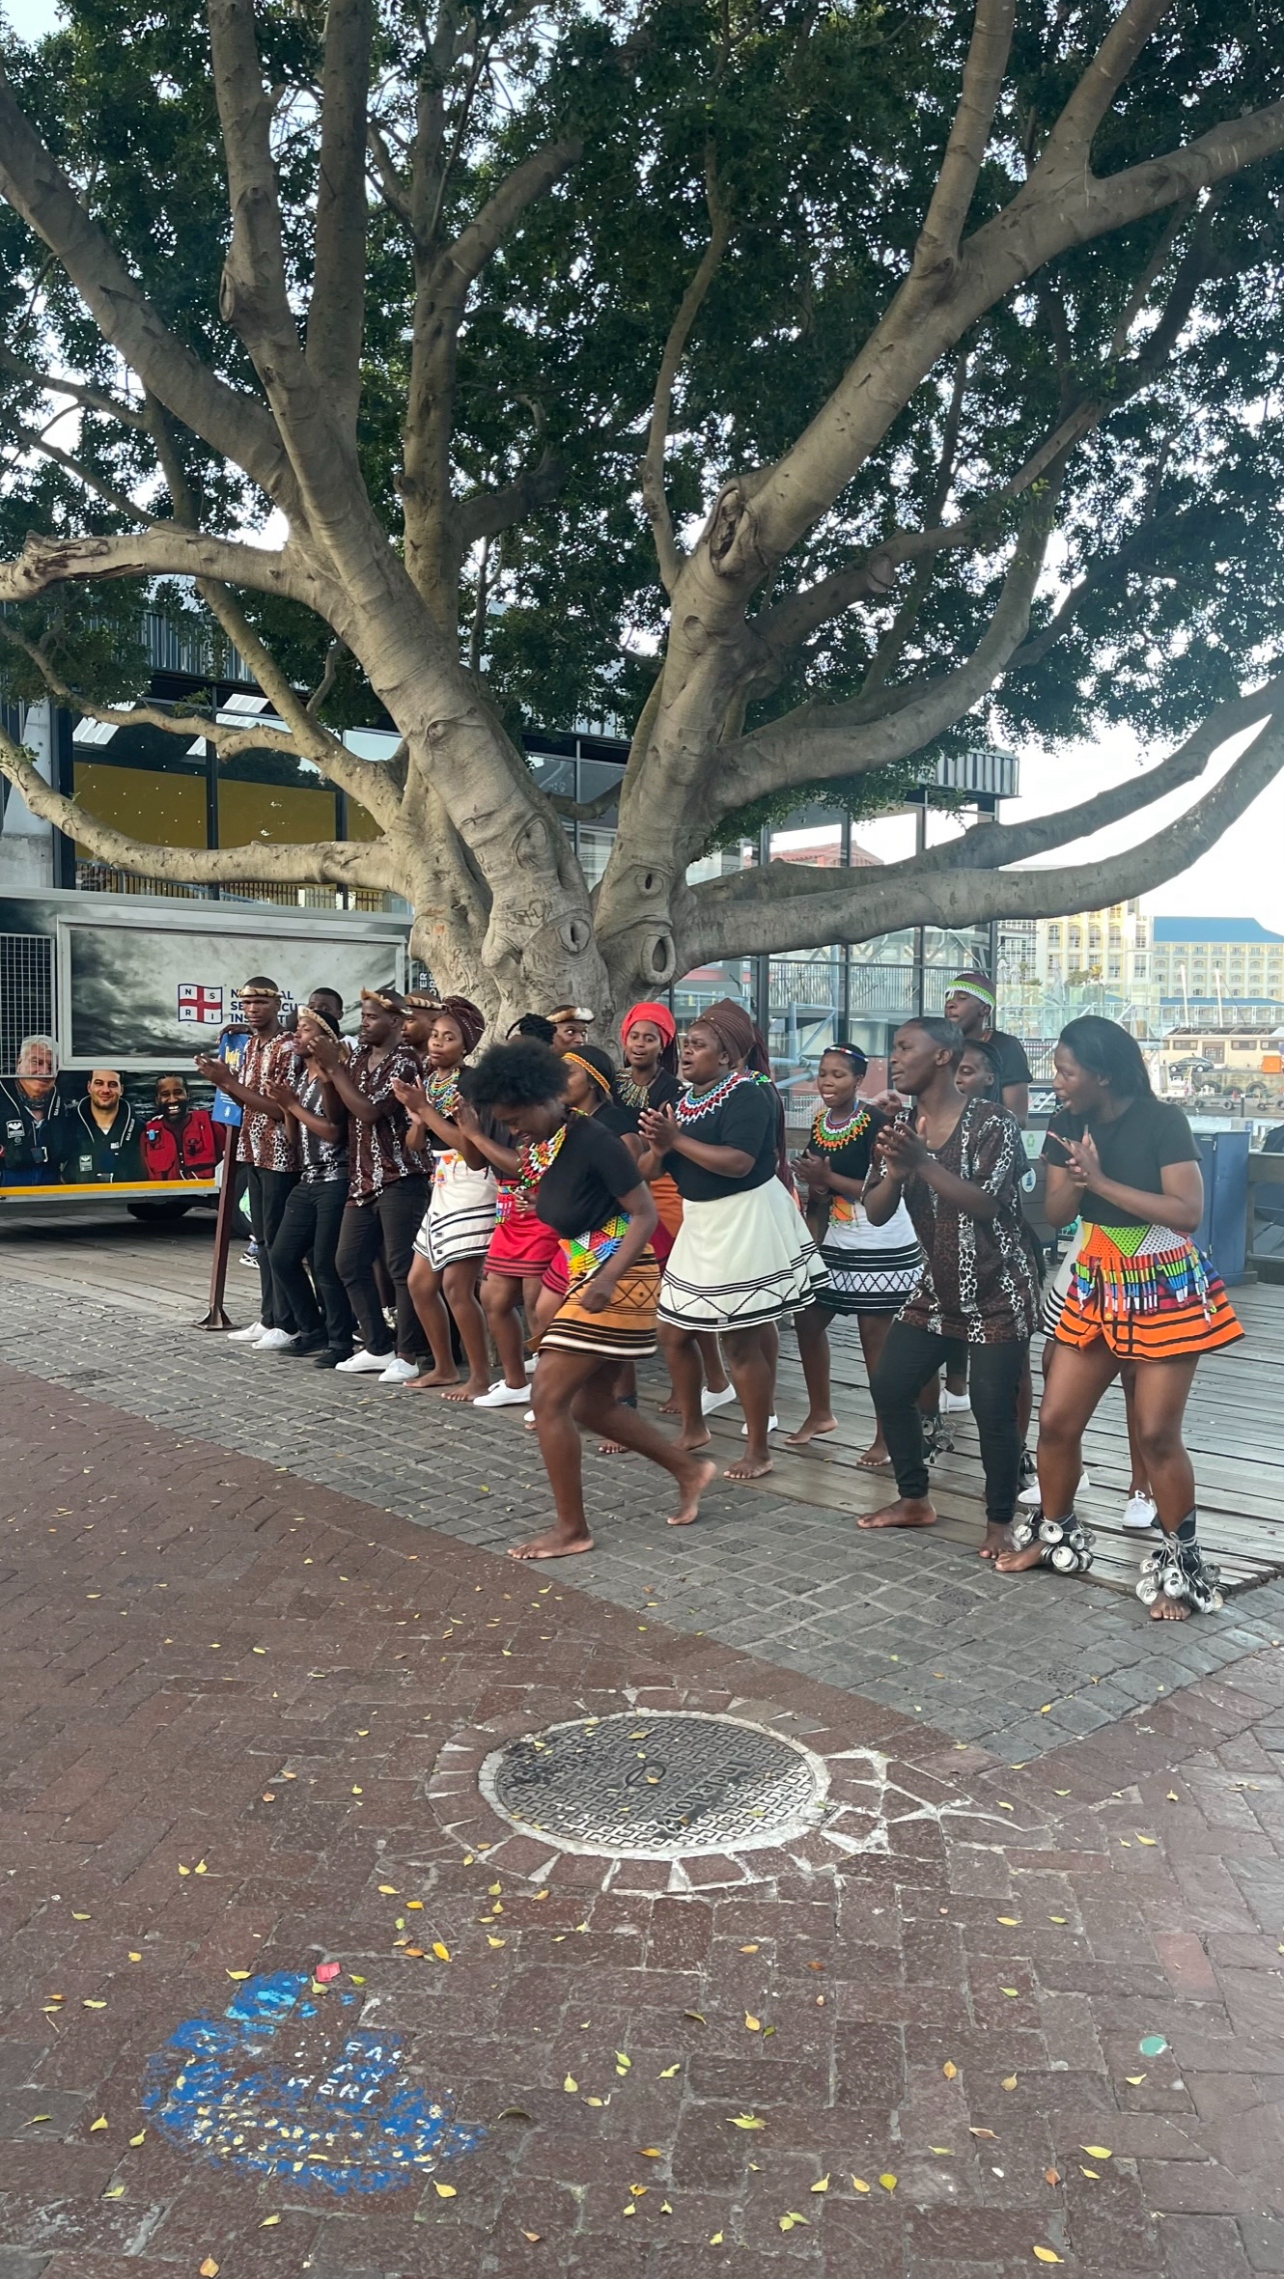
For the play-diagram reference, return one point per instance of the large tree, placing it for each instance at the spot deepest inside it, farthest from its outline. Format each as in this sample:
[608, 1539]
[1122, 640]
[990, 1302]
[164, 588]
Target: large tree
[803, 380]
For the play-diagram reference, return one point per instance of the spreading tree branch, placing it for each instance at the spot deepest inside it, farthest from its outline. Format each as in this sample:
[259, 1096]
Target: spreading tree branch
[54, 384]
[651, 471]
[337, 309]
[232, 423]
[164, 549]
[991, 43]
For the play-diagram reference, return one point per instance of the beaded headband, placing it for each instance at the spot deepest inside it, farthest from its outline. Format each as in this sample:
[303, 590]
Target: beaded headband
[589, 1070]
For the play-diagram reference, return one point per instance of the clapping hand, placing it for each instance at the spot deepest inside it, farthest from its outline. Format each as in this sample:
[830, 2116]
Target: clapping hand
[902, 1150]
[1082, 1164]
[814, 1171]
[659, 1128]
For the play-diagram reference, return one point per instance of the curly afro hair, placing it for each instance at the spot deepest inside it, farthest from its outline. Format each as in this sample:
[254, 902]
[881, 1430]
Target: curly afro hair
[518, 1075]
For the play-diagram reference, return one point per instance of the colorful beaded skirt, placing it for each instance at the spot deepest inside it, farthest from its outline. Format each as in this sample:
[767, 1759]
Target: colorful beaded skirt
[1149, 1293]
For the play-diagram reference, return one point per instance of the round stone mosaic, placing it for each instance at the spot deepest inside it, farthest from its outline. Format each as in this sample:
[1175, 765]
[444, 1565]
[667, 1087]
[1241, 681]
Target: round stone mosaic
[658, 1784]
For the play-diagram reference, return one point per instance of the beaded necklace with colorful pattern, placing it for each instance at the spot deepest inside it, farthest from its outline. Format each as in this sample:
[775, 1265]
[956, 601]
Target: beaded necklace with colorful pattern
[441, 1090]
[829, 1141]
[695, 1105]
[633, 1094]
[535, 1157]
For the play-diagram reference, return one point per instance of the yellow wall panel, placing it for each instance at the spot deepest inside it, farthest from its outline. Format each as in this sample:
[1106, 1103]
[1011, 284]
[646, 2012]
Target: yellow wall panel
[272, 811]
[169, 810]
[361, 823]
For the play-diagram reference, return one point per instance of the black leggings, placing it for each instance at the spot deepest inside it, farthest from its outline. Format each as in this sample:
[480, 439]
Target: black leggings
[908, 1359]
[310, 1229]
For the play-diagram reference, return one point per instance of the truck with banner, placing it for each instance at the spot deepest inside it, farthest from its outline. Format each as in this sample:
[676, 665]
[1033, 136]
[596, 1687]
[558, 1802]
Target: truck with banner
[105, 1000]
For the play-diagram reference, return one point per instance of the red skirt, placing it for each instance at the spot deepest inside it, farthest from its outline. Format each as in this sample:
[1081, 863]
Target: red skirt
[521, 1246]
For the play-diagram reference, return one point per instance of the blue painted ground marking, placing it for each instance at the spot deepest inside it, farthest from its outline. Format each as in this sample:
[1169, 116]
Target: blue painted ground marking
[260, 2090]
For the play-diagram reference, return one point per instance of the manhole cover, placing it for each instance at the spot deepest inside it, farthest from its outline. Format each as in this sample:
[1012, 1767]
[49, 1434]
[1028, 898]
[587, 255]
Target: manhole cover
[662, 1784]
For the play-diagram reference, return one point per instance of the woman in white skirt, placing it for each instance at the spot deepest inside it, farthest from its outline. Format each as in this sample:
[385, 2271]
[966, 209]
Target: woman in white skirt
[871, 1269]
[743, 1257]
[460, 1219]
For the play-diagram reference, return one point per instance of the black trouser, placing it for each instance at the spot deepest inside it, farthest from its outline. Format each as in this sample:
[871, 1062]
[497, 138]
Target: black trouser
[393, 1215]
[269, 1192]
[310, 1229]
[908, 1359]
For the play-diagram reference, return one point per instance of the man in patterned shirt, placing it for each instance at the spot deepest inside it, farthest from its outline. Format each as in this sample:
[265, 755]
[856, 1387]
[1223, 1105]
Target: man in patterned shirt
[266, 1145]
[388, 1185]
[958, 1164]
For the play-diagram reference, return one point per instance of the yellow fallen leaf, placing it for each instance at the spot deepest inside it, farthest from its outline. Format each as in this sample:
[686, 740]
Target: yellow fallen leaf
[268, 2222]
[357, 1981]
[946, 2151]
[745, 2121]
[1005, 1807]
[980, 2132]
[787, 2223]
[209, 2269]
[80, 1918]
[444, 2191]
[238, 1974]
[114, 2192]
[495, 1942]
[139, 2138]
[1094, 2173]
[754, 2024]
[1096, 2151]
[1008, 1919]
[1010, 2081]
[1172, 1795]
[100, 2123]
[182, 1870]
[1056, 1918]
[570, 2084]
[1146, 1839]
[1136, 2079]
[413, 1903]
[650, 2152]
[441, 1951]
[533, 2237]
[134, 1956]
[621, 2059]
[859, 2184]
[37, 2117]
[749, 1950]
[669, 2071]
[389, 1890]
[1047, 2255]
[888, 2181]
[1010, 1991]
[715, 2239]
[200, 1868]
[949, 2070]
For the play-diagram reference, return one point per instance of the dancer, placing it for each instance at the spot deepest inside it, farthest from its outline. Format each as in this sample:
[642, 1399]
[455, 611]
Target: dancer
[460, 1219]
[743, 1257]
[313, 1216]
[648, 1079]
[571, 1025]
[266, 1145]
[970, 1002]
[589, 1190]
[872, 1269]
[958, 1168]
[1140, 1291]
[387, 1184]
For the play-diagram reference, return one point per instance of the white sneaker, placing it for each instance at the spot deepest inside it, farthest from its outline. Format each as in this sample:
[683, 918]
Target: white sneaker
[711, 1401]
[1139, 1512]
[275, 1341]
[773, 1425]
[362, 1364]
[398, 1372]
[248, 1336]
[502, 1396]
[1030, 1496]
[531, 1366]
[953, 1404]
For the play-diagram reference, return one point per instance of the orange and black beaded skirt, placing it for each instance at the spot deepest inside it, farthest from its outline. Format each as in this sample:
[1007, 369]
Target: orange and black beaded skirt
[1149, 1293]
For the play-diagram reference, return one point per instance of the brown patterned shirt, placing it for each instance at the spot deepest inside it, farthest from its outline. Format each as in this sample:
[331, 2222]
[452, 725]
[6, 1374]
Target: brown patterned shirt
[979, 1281]
[266, 1143]
[378, 1152]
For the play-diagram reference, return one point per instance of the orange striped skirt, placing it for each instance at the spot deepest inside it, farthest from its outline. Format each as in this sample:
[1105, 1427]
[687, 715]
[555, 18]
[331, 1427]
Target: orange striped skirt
[625, 1325]
[1148, 1293]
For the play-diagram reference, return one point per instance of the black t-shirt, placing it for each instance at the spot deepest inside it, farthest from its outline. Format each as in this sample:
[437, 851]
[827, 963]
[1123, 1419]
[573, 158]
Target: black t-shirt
[746, 1119]
[1014, 1068]
[663, 1088]
[587, 1179]
[1133, 1148]
[851, 1160]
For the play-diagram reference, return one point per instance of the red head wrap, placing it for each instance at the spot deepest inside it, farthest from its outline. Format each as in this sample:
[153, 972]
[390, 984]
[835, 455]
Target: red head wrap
[658, 1015]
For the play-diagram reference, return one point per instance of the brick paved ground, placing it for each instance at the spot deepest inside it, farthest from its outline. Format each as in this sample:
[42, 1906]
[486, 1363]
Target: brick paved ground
[213, 1665]
[917, 1623]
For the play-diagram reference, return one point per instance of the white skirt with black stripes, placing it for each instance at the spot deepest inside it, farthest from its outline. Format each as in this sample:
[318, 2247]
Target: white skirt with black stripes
[740, 1262]
[460, 1218]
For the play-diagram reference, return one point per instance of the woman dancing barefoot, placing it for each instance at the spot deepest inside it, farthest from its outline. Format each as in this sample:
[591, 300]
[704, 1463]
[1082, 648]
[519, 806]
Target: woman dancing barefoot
[589, 1190]
[1127, 1166]
[743, 1257]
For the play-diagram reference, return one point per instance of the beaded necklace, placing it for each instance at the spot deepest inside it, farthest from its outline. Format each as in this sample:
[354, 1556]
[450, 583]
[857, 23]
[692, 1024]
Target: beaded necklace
[535, 1157]
[830, 1141]
[441, 1090]
[695, 1105]
[633, 1094]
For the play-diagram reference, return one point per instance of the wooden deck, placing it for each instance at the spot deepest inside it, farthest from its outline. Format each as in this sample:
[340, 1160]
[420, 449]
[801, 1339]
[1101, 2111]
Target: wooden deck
[1238, 1400]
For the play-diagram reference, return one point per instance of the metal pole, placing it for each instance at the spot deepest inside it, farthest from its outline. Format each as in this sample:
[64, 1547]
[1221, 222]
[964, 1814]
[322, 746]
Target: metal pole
[216, 1318]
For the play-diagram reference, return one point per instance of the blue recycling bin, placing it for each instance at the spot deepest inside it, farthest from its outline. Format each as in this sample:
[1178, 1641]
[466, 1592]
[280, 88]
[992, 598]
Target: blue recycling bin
[1223, 1230]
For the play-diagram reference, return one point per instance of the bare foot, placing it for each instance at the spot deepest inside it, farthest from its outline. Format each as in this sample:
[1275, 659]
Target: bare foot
[907, 1511]
[750, 1466]
[698, 1436]
[875, 1455]
[554, 1545]
[697, 1476]
[1011, 1562]
[671, 1407]
[471, 1389]
[1167, 1609]
[996, 1539]
[430, 1378]
[812, 1428]
[611, 1448]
